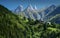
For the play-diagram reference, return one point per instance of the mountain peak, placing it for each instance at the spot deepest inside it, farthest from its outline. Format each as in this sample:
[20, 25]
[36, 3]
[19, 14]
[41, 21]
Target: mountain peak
[35, 7]
[30, 8]
[19, 8]
[52, 6]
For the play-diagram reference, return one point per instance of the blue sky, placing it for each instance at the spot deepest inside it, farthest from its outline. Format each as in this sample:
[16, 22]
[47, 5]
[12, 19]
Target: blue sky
[12, 4]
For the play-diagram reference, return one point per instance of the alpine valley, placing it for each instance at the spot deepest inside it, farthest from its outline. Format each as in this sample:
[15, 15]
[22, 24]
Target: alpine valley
[30, 22]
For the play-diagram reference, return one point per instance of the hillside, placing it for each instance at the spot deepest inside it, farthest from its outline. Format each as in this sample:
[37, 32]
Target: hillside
[14, 26]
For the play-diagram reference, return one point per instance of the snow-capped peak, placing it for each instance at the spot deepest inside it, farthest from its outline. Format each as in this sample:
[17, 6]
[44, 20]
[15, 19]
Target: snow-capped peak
[19, 8]
[30, 8]
[35, 7]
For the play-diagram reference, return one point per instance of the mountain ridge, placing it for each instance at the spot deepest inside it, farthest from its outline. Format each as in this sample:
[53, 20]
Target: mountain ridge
[43, 15]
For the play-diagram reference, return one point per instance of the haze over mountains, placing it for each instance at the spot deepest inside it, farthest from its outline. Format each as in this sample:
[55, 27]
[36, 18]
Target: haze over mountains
[33, 13]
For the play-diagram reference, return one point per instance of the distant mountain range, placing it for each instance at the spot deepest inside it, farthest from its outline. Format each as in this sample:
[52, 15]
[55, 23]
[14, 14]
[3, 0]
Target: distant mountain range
[45, 15]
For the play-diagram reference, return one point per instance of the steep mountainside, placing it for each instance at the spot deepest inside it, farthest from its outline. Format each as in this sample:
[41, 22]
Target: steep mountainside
[55, 15]
[31, 12]
[46, 11]
[11, 26]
